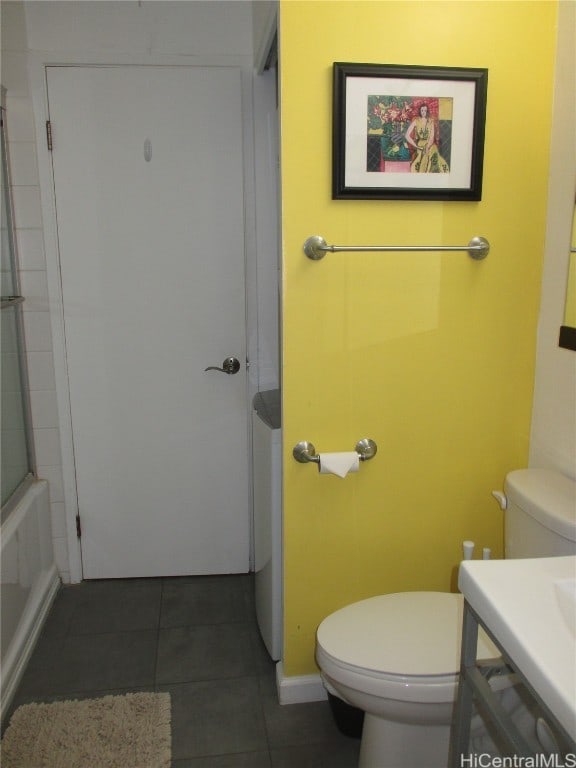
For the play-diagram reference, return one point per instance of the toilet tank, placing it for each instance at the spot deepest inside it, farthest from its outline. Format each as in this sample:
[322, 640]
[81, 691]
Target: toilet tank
[540, 516]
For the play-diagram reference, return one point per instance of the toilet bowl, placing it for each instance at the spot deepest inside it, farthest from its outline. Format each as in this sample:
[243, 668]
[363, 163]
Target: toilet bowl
[396, 657]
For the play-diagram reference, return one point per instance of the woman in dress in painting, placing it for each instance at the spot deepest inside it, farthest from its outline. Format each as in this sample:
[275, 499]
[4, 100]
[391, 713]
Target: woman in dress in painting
[421, 136]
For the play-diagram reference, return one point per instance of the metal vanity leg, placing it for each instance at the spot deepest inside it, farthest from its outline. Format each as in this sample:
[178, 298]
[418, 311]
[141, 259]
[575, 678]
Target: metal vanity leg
[460, 736]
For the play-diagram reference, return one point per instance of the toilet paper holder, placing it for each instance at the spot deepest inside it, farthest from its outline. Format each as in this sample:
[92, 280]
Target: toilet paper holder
[305, 452]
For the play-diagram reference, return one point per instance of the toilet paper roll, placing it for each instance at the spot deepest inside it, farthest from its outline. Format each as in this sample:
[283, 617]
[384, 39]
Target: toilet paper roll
[339, 463]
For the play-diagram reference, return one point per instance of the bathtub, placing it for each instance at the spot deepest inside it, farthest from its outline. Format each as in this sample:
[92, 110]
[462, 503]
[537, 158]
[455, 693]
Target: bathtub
[29, 583]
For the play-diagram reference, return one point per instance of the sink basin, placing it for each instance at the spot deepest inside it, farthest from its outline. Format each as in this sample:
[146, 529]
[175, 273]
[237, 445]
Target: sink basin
[565, 590]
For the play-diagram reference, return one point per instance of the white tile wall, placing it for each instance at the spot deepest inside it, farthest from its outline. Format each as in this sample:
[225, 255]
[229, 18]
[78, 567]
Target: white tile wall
[58, 529]
[61, 557]
[34, 287]
[53, 474]
[37, 331]
[33, 283]
[44, 409]
[21, 115]
[27, 209]
[23, 165]
[15, 77]
[30, 244]
[41, 370]
[47, 444]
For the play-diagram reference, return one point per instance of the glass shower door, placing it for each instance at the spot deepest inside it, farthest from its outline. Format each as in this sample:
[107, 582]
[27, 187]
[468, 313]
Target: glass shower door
[17, 460]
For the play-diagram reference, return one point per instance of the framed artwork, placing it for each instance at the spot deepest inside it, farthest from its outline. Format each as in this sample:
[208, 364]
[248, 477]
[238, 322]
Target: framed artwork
[408, 132]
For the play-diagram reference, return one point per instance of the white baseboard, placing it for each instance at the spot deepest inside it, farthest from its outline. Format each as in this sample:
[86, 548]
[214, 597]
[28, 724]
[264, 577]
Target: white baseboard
[22, 644]
[298, 689]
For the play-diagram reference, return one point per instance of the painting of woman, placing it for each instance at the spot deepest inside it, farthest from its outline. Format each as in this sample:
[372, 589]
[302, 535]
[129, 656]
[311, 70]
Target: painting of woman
[421, 135]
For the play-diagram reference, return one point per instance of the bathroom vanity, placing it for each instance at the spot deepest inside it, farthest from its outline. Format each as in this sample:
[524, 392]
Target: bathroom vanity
[528, 608]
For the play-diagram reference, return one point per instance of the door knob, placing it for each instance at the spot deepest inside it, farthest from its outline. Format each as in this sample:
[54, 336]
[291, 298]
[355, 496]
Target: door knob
[230, 365]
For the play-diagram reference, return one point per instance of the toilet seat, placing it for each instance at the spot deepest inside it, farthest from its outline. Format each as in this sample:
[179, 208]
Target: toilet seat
[403, 646]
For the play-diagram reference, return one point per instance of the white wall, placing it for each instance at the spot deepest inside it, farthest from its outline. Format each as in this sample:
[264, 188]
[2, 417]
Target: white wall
[266, 159]
[34, 33]
[553, 438]
[197, 28]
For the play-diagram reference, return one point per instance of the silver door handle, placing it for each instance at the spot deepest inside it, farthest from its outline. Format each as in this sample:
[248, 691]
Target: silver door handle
[230, 365]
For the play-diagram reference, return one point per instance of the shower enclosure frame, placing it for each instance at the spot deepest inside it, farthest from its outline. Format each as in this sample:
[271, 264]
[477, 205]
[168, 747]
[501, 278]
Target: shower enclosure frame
[13, 304]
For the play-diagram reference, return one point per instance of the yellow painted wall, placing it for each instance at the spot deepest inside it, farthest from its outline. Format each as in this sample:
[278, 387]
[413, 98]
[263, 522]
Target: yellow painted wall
[431, 355]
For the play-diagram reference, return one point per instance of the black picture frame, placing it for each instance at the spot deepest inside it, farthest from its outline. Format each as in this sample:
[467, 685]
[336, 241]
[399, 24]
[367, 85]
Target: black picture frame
[378, 108]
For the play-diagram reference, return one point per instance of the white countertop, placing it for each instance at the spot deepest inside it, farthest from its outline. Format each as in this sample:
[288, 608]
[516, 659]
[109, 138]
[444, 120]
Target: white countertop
[529, 607]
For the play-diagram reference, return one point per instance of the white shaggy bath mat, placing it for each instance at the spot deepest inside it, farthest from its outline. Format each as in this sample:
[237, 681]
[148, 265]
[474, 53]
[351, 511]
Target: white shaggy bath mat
[131, 731]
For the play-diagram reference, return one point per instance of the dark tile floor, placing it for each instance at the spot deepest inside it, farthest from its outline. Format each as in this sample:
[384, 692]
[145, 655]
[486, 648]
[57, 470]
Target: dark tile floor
[197, 638]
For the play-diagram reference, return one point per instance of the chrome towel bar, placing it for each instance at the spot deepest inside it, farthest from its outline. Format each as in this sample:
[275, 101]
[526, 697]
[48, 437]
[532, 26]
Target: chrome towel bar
[305, 452]
[315, 247]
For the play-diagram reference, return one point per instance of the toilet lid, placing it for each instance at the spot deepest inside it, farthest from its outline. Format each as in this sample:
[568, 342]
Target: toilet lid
[408, 633]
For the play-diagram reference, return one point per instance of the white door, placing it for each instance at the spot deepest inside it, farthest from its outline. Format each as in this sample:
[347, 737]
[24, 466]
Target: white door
[148, 177]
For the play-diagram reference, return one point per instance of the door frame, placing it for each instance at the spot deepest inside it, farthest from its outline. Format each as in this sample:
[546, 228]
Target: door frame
[39, 91]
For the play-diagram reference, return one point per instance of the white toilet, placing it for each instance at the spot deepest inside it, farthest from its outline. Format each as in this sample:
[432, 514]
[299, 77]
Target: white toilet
[396, 656]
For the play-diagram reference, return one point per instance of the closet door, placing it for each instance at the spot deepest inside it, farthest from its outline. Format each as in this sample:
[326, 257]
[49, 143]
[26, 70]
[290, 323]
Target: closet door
[148, 176]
